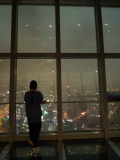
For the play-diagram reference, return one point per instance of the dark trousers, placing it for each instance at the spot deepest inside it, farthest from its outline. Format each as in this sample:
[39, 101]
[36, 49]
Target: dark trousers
[34, 130]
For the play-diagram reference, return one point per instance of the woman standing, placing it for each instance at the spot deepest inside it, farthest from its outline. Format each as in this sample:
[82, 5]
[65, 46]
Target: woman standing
[33, 99]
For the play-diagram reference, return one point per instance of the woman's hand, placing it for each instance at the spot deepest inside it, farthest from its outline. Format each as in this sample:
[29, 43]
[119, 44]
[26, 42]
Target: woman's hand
[43, 102]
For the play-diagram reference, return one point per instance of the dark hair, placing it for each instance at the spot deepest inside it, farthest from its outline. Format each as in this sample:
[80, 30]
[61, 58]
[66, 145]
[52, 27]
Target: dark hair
[33, 84]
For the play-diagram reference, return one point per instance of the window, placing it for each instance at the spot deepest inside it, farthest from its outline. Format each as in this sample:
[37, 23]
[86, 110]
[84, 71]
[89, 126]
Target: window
[4, 95]
[113, 92]
[44, 72]
[80, 95]
[36, 29]
[111, 29]
[5, 28]
[77, 30]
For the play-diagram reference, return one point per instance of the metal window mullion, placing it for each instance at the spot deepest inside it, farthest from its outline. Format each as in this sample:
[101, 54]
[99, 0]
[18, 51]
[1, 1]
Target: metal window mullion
[103, 102]
[58, 65]
[101, 67]
[12, 109]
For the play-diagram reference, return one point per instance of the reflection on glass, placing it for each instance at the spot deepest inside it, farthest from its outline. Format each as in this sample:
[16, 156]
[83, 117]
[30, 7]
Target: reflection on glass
[81, 116]
[89, 149]
[44, 72]
[113, 92]
[111, 29]
[5, 28]
[36, 29]
[85, 149]
[80, 80]
[4, 118]
[114, 115]
[77, 30]
[24, 151]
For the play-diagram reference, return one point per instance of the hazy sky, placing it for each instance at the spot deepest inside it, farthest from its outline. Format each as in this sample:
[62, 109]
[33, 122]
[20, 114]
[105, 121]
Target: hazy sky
[36, 33]
[36, 29]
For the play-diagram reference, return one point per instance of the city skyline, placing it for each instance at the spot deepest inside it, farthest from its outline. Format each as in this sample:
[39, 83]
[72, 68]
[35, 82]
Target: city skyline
[75, 115]
[81, 79]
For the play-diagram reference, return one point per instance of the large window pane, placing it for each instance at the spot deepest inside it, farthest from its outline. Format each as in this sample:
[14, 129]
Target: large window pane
[5, 28]
[112, 75]
[80, 93]
[36, 29]
[111, 29]
[81, 116]
[77, 30]
[44, 72]
[80, 80]
[49, 118]
[113, 92]
[4, 94]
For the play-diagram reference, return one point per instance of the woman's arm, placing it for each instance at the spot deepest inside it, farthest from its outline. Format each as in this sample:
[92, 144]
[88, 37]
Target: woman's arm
[43, 102]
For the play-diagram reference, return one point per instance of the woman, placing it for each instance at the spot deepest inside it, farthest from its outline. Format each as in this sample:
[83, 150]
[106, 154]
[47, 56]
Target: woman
[33, 99]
